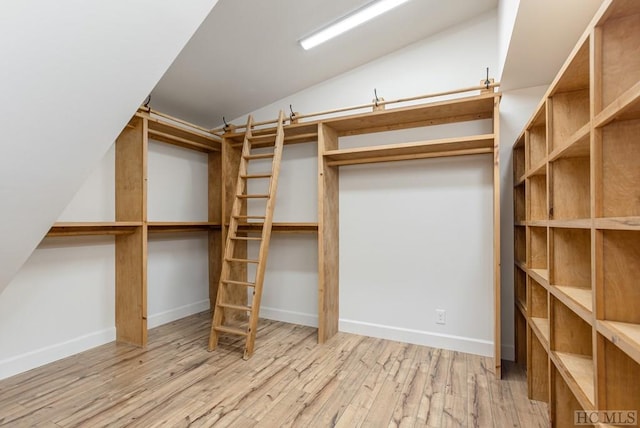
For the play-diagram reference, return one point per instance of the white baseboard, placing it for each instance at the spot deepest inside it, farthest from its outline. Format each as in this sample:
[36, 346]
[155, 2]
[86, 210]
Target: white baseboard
[39, 357]
[161, 318]
[289, 316]
[36, 358]
[418, 337]
[435, 340]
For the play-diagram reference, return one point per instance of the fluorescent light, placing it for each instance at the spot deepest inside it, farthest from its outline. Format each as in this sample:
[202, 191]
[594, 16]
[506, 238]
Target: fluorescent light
[349, 22]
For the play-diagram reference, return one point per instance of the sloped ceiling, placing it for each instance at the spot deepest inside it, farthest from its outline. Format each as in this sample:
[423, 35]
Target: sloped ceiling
[246, 54]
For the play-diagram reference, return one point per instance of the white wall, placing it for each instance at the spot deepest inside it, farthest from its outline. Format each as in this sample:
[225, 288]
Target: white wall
[388, 289]
[73, 72]
[62, 300]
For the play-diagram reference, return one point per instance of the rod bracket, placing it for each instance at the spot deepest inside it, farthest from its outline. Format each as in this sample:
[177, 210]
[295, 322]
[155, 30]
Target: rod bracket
[487, 82]
[146, 103]
[376, 101]
[293, 117]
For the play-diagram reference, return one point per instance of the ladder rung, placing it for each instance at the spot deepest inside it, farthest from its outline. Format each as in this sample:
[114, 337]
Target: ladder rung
[230, 330]
[246, 238]
[252, 196]
[235, 307]
[260, 156]
[257, 217]
[262, 138]
[233, 259]
[246, 284]
[249, 176]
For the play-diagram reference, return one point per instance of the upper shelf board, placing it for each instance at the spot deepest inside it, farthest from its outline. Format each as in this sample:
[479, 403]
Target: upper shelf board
[476, 144]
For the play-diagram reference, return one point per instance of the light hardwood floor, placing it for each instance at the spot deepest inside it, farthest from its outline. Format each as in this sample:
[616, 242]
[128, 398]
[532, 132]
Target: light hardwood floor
[290, 381]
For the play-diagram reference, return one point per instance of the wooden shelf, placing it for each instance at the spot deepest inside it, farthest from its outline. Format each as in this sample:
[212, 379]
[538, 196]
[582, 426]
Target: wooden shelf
[620, 55]
[537, 152]
[519, 166]
[570, 191]
[175, 226]
[537, 197]
[538, 170]
[540, 275]
[621, 390]
[575, 146]
[569, 113]
[537, 249]
[521, 307]
[293, 134]
[281, 227]
[520, 287]
[537, 364]
[477, 144]
[437, 113]
[626, 336]
[617, 223]
[618, 281]
[625, 107]
[583, 221]
[541, 327]
[579, 223]
[574, 75]
[571, 258]
[93, 228]
[167, 132]
[577, 371]
[579, 300]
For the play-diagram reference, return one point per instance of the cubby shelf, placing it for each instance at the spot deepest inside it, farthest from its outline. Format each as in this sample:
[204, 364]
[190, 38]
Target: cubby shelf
[618, 223]
[540, 275]
[626, 336]
[577, 371]
[625, 107]
[575, 146]
[541, 328]
[579, 300]
[582, 205]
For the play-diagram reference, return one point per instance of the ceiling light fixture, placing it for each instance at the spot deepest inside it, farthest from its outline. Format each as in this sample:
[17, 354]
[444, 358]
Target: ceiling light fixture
[349, 22]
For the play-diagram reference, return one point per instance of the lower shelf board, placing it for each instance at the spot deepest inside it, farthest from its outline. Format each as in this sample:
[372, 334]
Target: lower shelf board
[578, 373]
[542, 327]
[178, 227]
[540, 275]
[624, 335]
[580, 300]
[93, 228]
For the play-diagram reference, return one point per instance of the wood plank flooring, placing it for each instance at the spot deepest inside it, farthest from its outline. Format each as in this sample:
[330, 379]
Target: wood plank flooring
[350, 381]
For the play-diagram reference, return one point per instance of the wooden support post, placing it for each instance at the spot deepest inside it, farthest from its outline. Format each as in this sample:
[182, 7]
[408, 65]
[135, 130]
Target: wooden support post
[496, 237]
[216, 243]
[328, 237]
[131, 250]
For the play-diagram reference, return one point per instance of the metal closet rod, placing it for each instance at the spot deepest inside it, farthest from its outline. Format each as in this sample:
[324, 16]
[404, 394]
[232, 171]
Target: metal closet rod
[378, 102]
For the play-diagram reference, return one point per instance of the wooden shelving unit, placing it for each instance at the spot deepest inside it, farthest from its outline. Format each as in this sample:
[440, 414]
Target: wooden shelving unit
[576, 192]
[224, 150]
[131, 227]
[327, 133]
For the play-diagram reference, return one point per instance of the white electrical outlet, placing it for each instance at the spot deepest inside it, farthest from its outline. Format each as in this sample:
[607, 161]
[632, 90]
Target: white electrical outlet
[441, 316]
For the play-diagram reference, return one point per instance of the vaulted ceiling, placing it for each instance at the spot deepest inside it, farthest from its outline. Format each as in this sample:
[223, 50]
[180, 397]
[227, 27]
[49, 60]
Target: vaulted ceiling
[246, 53]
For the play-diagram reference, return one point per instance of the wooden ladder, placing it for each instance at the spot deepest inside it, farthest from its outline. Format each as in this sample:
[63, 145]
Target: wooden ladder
[227, 279]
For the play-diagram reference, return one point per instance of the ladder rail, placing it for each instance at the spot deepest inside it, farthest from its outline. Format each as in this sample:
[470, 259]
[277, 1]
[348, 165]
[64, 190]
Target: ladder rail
[266, 238]
[240, 200]
[236, 208]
